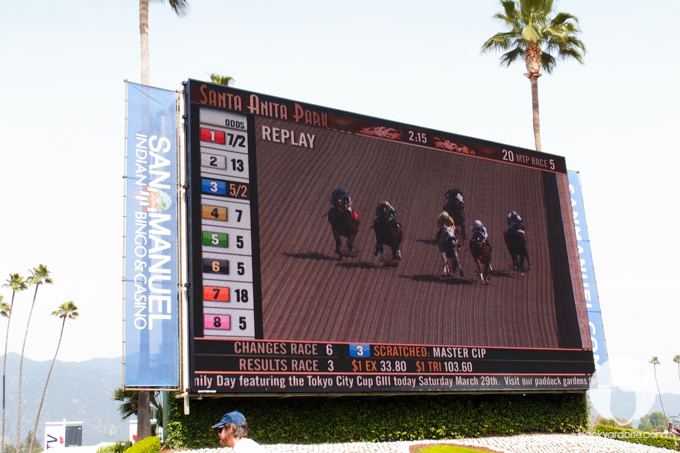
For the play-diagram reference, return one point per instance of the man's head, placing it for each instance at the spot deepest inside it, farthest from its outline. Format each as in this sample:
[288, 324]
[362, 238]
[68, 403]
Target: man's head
[231, 428]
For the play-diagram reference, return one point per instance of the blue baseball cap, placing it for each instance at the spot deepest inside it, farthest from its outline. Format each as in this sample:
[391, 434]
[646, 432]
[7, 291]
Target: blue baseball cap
[232, 418]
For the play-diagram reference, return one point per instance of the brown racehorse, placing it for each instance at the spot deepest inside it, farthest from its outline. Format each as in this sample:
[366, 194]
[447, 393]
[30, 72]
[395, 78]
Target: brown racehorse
[481, 253]
[344, 222]
[516, 241]
[387, 233]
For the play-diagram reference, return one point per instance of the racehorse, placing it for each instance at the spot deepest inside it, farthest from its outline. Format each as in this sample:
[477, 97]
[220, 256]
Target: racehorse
[481, 253]
[447, 247]
[387, 233]
[455, 206]
[516, 241]
[344, 222]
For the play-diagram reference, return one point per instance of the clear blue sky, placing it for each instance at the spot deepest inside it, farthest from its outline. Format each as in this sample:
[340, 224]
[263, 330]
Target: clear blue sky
[615, 120]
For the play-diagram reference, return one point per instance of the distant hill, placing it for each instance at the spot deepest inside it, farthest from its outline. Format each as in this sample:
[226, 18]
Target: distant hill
[78, 391]
[631, 405]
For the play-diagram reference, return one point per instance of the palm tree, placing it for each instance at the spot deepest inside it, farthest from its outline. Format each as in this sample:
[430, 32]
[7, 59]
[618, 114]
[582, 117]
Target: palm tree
[65, 311]
[128, 399]
[181, 8]
[39, 276]
[676, 359]
[531, 36]
[130, 402]
[655, 362]
[17, 283]
[221, 80]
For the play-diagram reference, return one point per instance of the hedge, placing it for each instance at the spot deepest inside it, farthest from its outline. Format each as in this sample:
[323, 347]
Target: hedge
[118, 447]
[311, 420]
[151, 444]
[638, 437]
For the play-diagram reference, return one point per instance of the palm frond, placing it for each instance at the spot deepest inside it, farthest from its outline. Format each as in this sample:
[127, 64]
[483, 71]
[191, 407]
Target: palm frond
[562, 18]
[221, 80]
[129, 404]
[548, 62]
[510, 57]
[16, 282]
[67, 310]
[39, 275]
[569, 52]
[510, 9]
[5, 311]
[500, 41]
[537, 9]
[532, 33]
[180, 7]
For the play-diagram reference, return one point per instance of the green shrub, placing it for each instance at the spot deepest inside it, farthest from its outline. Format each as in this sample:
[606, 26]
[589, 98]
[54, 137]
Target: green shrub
[151, 444]
[637, 437]
[118, 447]
[309, 420]
[622, 423]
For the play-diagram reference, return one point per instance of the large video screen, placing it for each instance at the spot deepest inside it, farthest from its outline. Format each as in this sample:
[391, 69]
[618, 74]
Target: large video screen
[336, 253]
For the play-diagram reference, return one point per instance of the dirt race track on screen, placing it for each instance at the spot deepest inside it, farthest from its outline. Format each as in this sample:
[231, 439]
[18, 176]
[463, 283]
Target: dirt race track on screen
[309, 295]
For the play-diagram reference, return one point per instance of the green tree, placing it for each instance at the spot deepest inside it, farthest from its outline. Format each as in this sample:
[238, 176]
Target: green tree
[129, 406]
[181, 8]
[659, 421]
[9, 448]
[656, 421]
[67, 310]
[221, 80]
[31, 440]
[39, 276]
[655, 362]
[128, 399]
[16, 283]
[534, 36]
[645, 424]
[676, 359]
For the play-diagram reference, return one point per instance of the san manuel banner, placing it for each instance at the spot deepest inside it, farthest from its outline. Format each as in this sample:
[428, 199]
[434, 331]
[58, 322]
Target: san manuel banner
[602, 376]
[151, 294]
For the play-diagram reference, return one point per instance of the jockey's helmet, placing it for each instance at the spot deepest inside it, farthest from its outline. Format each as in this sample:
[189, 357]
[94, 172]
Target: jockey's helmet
[477, 224]
[444, 215]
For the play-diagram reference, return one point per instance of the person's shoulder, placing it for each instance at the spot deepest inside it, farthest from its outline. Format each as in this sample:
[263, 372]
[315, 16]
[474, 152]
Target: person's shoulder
[247, 446]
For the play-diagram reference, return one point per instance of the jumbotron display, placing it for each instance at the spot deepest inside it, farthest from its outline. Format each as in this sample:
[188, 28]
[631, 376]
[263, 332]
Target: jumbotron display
[334, 253]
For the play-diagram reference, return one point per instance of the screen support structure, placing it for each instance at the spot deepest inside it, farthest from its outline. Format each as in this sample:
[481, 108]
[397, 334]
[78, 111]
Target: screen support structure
[183, 250]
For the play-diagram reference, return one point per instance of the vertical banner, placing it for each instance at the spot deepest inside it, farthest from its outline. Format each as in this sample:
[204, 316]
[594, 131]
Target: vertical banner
[602, 378]
[151, 292]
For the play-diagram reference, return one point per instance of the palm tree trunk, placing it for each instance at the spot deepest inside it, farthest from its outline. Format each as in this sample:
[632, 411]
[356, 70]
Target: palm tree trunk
[143, 415]
[533, 78]
[143, 428]
[37, 418]
[144, 34]
[660, 401]
[4, 369]
[21, 368]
